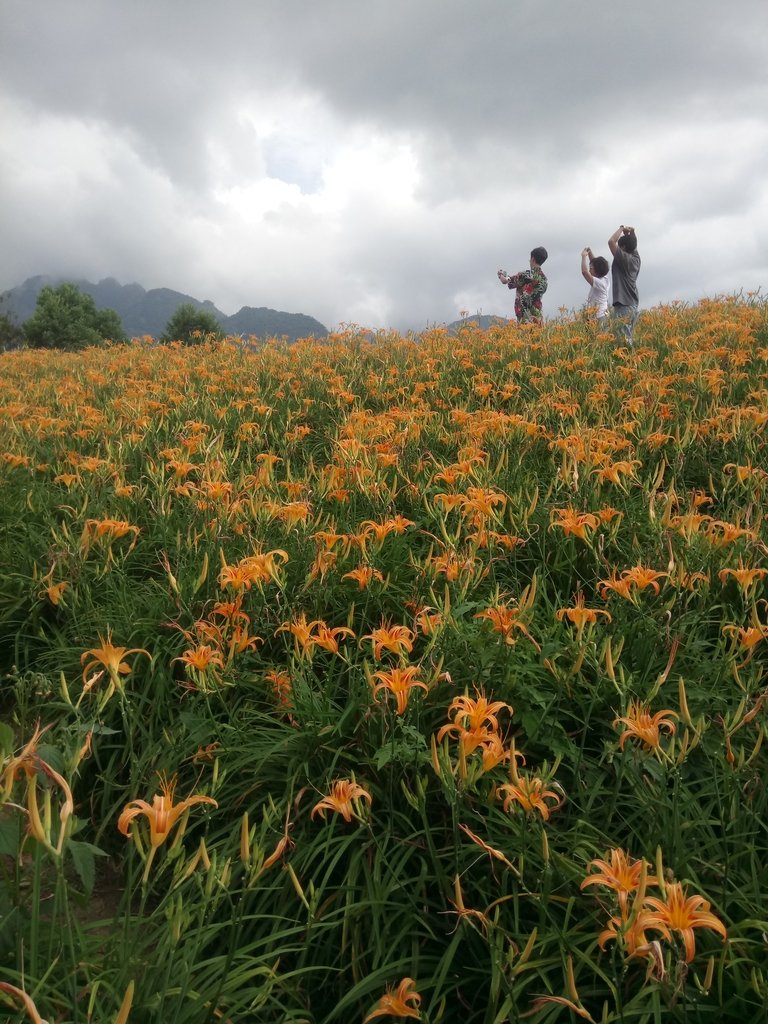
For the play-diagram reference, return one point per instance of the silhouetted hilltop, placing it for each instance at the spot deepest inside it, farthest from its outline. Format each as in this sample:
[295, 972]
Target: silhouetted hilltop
[147, 312]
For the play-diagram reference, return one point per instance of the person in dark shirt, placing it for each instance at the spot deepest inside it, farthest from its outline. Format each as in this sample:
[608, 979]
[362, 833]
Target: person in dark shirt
[529, 287]
[624, 271]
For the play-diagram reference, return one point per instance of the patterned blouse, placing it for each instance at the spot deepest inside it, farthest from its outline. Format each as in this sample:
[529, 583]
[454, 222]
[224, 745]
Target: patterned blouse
[529, 286]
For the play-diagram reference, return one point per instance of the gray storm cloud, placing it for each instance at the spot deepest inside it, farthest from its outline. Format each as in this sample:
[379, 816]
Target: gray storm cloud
[378, 163]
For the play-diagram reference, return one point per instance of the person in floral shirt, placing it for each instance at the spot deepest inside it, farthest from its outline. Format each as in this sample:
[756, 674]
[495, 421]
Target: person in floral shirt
[529, 286]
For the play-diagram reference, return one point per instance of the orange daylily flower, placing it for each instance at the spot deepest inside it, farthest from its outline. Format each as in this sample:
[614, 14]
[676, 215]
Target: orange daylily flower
[282, 686]
[531, 793]
[206, 754]
[55, 592]
[232, 611]
[747, 637]
[368, 529]
[317, 633]
[621, 873]
[607, 514]
[746, 578]
[689, 523]
[108, 531]
[572, 522]
[720, 533]
[302, 633]
[294, 512]
[453, 565]
[66, 478]
[427, 620]
[398, 524]
[400, 682]
[478, 504]
[163, 814]
[619, 585]
[505, 620]
[743, 473]
[237, 577]
[397, 639]
[202, 658]
[322, 564]
[448, 501]
[28, 762]
[643, 578]
[494, 752]
[110, 658]
[680, 913]
[180, 467]
[474, 721]
[263, 567]
[329, 539]
[294, 488]
[343, 799]
[363, 575]
[636, 578]
[402, 1002]
[327, 637]
[579, 615]
[615, 470]
[645, 727]
[630, 927]
[240, 640]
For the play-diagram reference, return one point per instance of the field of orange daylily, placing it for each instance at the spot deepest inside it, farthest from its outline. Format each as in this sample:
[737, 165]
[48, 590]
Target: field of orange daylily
[388, 677]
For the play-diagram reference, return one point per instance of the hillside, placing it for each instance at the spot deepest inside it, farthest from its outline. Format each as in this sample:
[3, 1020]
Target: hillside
[146, 312]
[480, 321]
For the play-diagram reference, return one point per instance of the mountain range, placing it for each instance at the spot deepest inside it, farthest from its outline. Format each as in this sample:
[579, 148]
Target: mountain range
[147, 312]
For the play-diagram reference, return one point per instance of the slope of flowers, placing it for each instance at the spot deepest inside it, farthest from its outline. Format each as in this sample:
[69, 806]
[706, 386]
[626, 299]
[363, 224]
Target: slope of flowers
[388, 677]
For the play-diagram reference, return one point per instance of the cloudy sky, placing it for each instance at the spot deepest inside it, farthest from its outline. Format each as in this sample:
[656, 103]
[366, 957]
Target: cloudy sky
[377, 164]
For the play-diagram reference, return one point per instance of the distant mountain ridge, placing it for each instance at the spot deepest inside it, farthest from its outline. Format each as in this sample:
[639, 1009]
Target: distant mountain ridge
[147, 312]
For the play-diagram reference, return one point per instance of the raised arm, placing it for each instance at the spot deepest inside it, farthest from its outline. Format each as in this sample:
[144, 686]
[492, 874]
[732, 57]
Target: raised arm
[613, 241]
[523, 277]
[586, 256]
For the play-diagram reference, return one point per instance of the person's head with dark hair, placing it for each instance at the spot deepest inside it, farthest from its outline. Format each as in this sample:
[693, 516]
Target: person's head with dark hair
[599, 266]
[539, 255]
[628, 241]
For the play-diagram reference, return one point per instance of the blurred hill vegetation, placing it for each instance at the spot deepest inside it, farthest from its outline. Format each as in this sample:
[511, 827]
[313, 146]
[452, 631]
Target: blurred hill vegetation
[147, 312]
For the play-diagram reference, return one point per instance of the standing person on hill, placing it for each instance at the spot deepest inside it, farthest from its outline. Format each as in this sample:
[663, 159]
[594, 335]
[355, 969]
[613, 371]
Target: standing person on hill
[529, 286]
[594, 270]
[624, 271]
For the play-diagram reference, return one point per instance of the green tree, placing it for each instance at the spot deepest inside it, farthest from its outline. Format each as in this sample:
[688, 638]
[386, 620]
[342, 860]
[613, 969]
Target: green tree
[67, 318]
[191, 325]
[11, 333]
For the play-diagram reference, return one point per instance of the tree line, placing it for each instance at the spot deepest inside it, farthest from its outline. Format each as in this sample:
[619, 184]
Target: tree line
[67, 319]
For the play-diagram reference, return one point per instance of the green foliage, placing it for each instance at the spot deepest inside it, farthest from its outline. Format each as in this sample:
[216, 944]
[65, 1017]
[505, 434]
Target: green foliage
[11, 333]
[191, 325]
[66, 318]
[137, 525]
